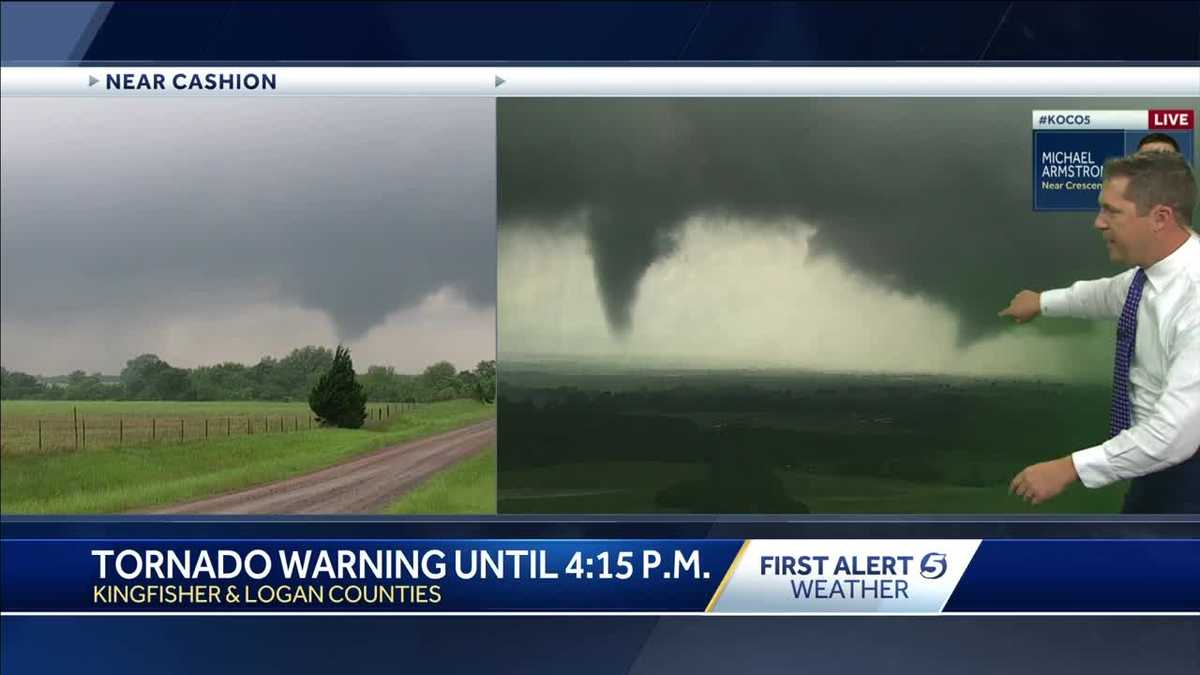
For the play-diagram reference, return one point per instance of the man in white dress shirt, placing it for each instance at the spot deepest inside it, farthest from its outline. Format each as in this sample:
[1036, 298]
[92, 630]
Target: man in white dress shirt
[1146, 208]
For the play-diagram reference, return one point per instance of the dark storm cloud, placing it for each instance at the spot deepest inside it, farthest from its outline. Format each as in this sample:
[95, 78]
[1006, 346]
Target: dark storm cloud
[356, 207]
[929, 196]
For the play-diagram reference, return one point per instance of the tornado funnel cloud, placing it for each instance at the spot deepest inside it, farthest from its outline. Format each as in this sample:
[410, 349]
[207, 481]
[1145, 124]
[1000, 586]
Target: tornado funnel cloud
[623, 246]
[928, 197]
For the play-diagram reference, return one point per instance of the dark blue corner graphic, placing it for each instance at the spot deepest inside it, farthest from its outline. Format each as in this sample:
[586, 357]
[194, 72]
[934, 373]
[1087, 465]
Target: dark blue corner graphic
[1081, 576]
[613, 32]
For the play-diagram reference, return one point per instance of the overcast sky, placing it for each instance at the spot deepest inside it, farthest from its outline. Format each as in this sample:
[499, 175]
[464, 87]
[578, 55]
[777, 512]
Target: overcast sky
[214, 229]
[842, 234]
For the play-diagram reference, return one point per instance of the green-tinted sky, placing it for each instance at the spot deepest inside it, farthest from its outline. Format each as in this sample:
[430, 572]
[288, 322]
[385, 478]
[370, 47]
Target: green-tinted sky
[842, 234]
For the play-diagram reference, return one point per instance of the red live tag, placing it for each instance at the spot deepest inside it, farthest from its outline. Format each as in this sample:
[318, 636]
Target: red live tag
[1172, 119]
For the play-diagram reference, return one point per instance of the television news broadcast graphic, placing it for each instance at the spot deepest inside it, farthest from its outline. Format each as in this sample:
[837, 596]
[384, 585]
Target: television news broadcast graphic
[782, 305]
[1007, 610]
[1070, 146]
[557, 308]
[231, 269]
[141, 568]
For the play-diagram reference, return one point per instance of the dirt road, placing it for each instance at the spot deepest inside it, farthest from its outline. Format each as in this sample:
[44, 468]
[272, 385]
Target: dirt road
[361, 485]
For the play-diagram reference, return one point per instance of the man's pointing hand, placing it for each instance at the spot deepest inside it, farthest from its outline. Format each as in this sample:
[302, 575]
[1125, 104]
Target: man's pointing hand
[1024, 306]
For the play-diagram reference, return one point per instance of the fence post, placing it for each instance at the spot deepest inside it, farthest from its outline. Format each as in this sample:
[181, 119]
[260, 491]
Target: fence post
[153, 429]
[206, 428]
[180, 429]
[226, 426]
[84, 445]
[39, 434]
[120, 431]
[75, 415]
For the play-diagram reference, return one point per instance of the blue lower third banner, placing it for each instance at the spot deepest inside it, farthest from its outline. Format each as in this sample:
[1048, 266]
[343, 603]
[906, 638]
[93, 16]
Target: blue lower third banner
[719, 576]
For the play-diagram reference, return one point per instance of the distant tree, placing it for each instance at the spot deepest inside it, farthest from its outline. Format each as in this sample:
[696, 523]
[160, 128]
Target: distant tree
[298, 371]
[293, 377]
[149, 378]
[383, 383]
[440, 376]
[227, 381]
[139, 374]
[17, 385]
[170, 384]
[83, 387]
[468, 385]
[337, 398]
[485, 381]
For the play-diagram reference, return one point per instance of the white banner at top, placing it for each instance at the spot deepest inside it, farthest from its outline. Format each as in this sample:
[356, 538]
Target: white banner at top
[671, 81]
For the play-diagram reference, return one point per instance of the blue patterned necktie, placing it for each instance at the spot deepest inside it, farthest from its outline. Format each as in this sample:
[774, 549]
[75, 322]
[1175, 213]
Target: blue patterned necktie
[1121, 412]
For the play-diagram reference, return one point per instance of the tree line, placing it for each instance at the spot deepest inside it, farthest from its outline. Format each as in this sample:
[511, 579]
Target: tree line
[291, 378]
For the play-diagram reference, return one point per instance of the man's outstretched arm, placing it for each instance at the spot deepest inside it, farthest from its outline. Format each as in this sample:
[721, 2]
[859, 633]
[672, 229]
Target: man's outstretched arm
[1094, 299]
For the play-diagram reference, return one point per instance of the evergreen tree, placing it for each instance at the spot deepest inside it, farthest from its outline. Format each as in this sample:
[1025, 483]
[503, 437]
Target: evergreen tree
[485, 381]
[337, 398]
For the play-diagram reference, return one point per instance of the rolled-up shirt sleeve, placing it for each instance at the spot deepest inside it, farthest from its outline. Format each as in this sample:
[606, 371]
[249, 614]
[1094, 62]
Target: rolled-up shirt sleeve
[1168, 436]
[1093, 299]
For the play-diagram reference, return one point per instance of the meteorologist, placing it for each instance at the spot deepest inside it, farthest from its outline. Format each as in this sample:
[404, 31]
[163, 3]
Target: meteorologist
[1146, 208]
[1157, 142]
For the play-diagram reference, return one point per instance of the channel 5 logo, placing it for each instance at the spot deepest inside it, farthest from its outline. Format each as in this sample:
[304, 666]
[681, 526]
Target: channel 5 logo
[933, 565]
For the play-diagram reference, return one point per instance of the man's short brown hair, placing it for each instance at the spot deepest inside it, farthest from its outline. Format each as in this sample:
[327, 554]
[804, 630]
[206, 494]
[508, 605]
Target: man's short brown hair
[1156, 178]
[1158, 137]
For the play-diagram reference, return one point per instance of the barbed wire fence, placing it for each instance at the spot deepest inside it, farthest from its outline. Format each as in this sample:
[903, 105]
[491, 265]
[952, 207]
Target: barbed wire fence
[76, 431]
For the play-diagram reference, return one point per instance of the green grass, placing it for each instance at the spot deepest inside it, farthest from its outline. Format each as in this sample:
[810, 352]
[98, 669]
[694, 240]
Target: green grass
[114, 479]
[632, 487]
[466, 487]
[867, 494]
[38, 426]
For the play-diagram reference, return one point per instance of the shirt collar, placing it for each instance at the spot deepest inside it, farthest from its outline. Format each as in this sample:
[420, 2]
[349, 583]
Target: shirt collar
[1188, 254]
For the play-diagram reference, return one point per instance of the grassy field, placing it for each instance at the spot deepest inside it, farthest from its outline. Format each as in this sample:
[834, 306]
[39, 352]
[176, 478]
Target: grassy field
[622, 441]
[466, 487]
[635, 487]
[141, 476]
[33, 426]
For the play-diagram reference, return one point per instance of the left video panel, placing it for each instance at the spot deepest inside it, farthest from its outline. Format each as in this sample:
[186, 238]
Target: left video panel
[248, 305]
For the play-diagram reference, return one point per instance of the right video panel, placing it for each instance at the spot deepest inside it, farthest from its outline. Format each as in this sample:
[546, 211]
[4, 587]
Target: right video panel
[790, 305]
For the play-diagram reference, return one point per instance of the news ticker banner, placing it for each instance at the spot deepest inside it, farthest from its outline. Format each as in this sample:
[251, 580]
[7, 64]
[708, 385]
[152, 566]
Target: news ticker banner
[654, 576]
[1070, 147]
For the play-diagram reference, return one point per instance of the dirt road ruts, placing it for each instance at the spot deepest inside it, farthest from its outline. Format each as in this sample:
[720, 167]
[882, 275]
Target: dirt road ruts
[362, 485]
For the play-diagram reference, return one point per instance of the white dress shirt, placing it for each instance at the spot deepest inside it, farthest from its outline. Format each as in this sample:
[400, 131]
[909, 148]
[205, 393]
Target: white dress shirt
[1164, 378]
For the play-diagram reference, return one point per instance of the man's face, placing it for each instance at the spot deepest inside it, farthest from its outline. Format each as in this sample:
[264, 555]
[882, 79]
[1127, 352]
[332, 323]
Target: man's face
[1127, 235]
[1157, 146]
